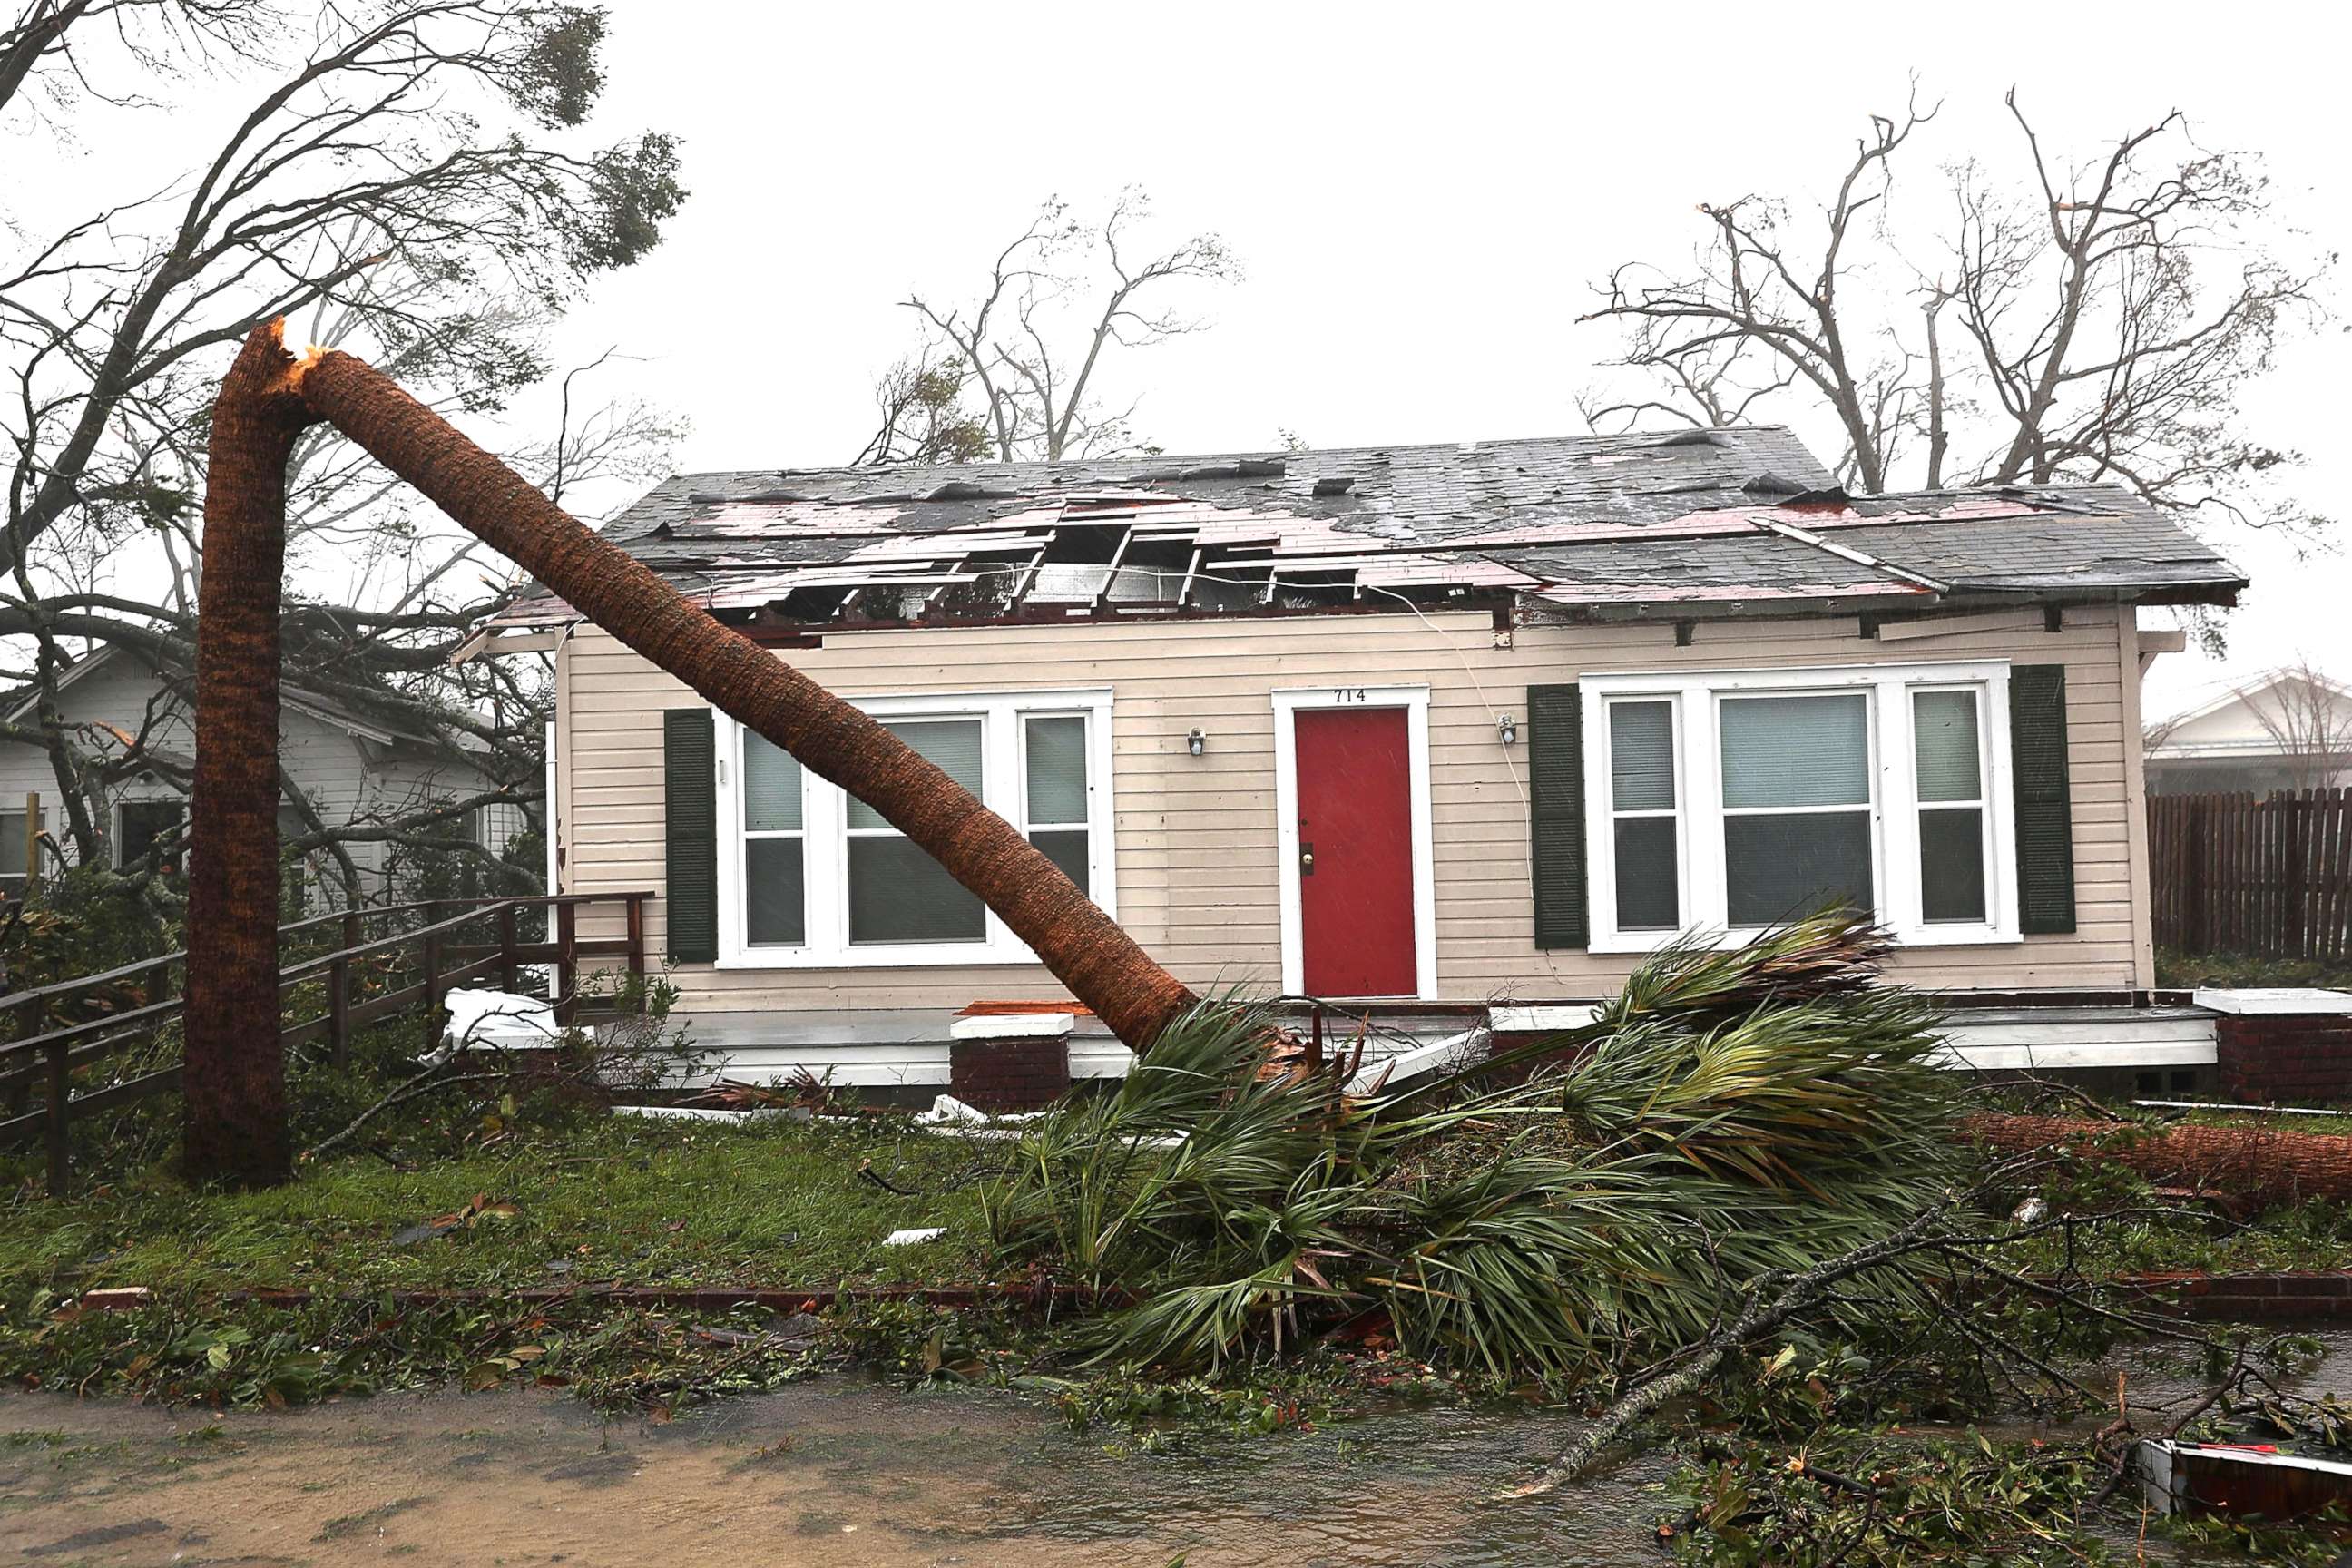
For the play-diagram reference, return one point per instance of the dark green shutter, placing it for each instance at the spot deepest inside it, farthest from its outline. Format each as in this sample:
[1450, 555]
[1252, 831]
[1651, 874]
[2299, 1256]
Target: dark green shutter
[690, 832]
[2045, 815]
[1556, 825]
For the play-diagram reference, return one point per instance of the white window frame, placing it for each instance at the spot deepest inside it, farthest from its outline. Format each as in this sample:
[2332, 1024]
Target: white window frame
[1895, 797]
[1415, 700]
[824, 832]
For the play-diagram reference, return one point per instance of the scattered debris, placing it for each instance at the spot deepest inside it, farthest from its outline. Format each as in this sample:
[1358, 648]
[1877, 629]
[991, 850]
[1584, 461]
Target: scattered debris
[955, 1118]
[2242, 1480]
[703, 1113]
[1405, 1066]
[914, 1237]
[500, 1020]
[2221, 1105]
[482, 1208]
[947, 1111]
[867, 1172]
[117, 1299]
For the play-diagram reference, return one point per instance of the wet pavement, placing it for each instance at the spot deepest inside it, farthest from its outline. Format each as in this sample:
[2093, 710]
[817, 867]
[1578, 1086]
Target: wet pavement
[829, 1472]
[838, 1470]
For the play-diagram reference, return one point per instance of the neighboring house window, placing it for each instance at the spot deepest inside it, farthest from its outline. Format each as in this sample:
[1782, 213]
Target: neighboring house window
[497, 824]
[809, 877]
[14, 828]
[1740, 799]
[138, 825]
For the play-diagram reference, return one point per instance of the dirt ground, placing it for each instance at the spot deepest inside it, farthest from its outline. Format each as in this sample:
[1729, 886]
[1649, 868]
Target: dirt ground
[826, 1473]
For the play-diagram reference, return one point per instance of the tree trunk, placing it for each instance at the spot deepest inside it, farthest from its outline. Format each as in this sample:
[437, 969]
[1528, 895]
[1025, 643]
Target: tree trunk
[1084, 947]
[2258, 1162]
[234, 1082]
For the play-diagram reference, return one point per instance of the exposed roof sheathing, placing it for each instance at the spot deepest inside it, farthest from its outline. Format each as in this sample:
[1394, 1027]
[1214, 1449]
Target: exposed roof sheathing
[1698, 524]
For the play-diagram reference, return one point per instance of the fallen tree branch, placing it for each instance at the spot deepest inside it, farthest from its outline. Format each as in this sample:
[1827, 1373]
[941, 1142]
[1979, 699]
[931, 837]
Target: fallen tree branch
[424, 1082]
[1771, 1302]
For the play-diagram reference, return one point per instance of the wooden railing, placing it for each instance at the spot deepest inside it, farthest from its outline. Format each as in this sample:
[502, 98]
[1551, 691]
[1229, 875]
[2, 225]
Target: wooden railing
[2268, 877]
[358, 982]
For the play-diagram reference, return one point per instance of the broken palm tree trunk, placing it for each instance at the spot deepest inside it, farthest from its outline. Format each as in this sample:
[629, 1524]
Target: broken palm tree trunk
[234, 1079]
[2266, 1164]
[1086, 949]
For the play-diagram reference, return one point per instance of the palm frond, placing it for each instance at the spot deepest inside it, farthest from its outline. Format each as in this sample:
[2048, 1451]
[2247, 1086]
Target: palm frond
[1733, 1113]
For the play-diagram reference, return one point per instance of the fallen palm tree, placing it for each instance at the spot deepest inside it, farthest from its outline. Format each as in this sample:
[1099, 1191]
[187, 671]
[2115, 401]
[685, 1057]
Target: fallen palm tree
[235, 1074]
[1731, 1116]
[2267, 1165]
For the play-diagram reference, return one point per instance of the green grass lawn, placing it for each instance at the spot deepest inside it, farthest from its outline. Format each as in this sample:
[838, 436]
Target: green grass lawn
[628, 1201]
[614, 1199]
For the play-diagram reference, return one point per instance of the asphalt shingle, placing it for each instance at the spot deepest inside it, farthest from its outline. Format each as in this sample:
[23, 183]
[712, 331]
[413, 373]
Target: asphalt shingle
[1744, 517]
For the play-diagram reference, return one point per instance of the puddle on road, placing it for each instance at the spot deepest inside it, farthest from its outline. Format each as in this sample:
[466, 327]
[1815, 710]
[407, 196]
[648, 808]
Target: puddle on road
[831, 1472]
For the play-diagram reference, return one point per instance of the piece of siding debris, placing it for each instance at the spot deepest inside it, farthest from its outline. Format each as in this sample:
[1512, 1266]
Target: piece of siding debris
[120, 1299]
[913, 1238]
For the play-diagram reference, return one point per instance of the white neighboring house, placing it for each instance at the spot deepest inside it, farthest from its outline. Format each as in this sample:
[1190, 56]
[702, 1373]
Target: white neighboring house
[2282, 730]
[352, 768]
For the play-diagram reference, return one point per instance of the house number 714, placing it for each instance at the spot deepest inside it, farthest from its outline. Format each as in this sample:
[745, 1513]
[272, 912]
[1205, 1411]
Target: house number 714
[1346, 694]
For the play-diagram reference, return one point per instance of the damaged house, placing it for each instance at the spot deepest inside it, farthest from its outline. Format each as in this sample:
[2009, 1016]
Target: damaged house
[1453, 732]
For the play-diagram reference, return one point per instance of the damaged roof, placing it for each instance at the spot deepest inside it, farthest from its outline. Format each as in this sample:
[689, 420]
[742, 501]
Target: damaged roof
[1697, 523]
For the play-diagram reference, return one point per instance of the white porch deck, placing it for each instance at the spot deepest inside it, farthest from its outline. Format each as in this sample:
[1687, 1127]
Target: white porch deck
[908, 1047]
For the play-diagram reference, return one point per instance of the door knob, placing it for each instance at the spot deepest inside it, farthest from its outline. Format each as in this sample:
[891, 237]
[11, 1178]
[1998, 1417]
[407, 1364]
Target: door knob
[1306, 860]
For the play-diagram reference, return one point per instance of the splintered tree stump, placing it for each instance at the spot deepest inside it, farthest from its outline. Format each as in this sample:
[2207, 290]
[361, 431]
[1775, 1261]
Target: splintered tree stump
[274, 397]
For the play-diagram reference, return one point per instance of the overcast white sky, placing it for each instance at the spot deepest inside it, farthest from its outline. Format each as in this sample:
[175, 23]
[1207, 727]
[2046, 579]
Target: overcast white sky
[1421, 196]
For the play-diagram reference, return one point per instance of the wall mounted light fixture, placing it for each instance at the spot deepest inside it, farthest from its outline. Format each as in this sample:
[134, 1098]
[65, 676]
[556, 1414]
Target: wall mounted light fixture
[1196, 742]
[1507, 728]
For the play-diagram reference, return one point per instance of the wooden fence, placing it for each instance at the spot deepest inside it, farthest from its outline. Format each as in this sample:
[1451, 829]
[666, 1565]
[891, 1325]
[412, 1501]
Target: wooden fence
[2270, 877]
[61, 1030]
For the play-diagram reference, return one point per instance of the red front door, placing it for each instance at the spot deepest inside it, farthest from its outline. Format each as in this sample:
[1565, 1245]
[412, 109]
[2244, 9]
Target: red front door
[1355, 852]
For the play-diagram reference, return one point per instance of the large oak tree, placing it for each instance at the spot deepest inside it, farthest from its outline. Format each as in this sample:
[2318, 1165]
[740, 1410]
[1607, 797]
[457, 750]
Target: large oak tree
[411, 179]
[2026, 319]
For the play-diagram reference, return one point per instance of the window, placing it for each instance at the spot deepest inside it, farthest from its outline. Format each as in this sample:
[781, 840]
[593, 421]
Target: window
[15, 844]
[138, 825]
[1740, 799]
[775, 856]
[1948, 748]
[1647, 828]
[813, 878]
[897, 893]
[1053, 791]
[1796, 805]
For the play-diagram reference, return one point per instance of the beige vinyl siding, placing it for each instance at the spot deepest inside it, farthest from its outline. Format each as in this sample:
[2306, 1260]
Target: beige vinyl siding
[1196, 877]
